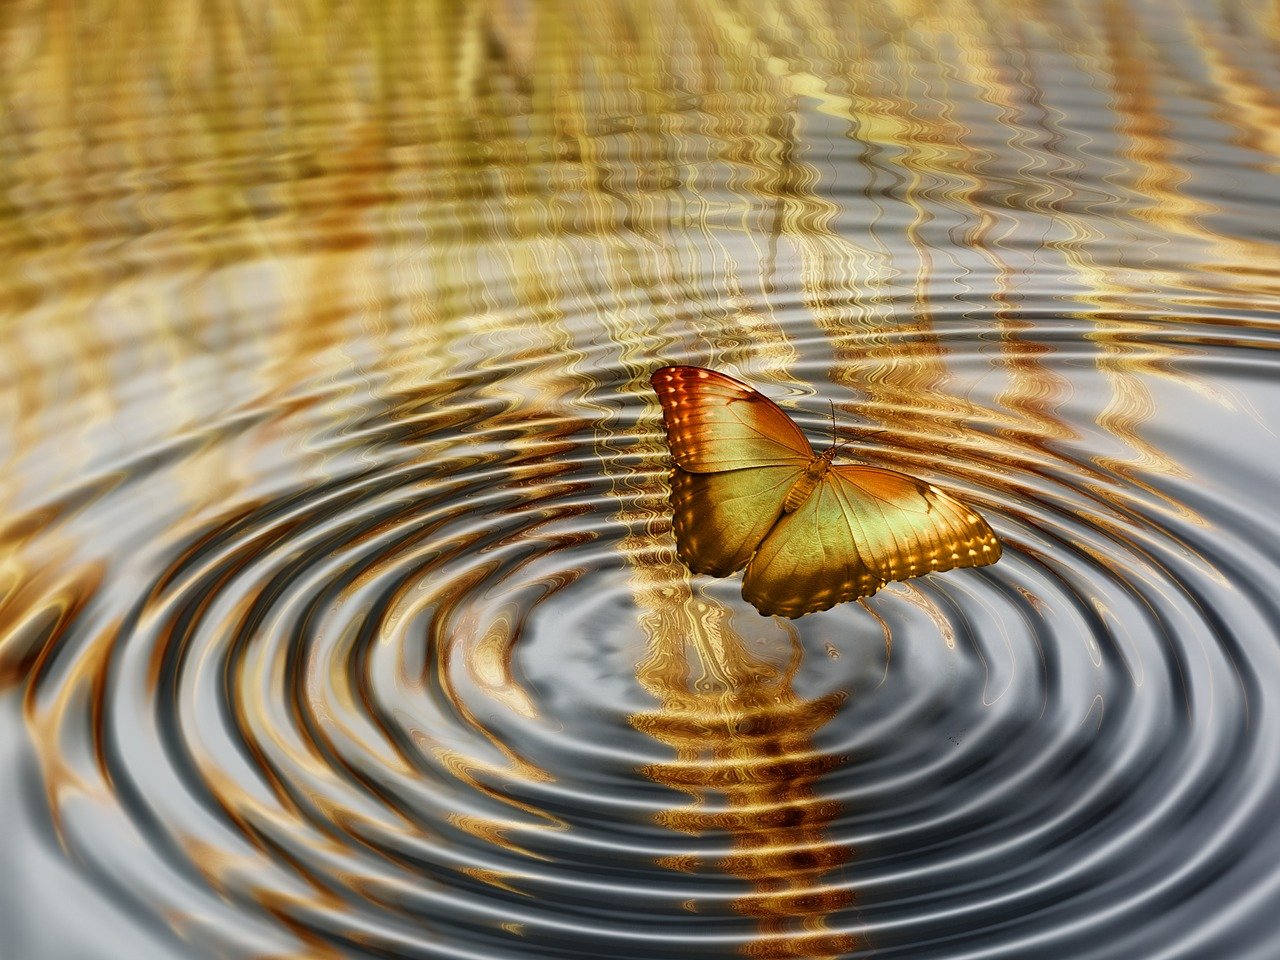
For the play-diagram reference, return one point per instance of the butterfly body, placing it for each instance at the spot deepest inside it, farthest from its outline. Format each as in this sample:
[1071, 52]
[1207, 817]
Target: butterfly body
[748, 491]
[805, 484]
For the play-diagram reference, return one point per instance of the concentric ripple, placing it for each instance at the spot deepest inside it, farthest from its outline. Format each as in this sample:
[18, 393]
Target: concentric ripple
[339, 609]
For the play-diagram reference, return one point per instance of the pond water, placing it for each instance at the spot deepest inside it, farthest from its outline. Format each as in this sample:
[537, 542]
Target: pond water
[340, 615]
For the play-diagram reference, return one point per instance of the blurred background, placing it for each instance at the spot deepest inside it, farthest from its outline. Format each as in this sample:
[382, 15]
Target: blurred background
[339, 610]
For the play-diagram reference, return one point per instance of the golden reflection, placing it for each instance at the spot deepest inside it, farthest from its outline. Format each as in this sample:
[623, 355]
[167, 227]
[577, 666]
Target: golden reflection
[36, 608]
[516, 110]
[742, 739]
[743, 744]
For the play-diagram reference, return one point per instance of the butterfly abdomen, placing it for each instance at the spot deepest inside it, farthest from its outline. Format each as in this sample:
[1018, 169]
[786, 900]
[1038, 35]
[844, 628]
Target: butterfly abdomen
[806, 482]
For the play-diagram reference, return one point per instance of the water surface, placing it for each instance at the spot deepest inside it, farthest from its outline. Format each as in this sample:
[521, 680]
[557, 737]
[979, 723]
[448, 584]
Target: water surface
[339, 609]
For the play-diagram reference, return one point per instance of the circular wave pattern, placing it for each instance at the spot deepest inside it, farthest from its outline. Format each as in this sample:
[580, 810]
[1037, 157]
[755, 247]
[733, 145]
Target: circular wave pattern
[339, 611]
[463, 703]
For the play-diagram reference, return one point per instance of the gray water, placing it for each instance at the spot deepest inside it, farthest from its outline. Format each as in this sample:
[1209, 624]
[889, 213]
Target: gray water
[340, 615]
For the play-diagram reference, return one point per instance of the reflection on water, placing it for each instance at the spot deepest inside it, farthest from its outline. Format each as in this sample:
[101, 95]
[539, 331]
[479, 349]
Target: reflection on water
[743, 745]
[339, 610]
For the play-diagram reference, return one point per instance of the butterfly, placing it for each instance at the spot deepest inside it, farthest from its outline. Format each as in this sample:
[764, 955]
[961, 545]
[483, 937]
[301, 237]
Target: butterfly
[748, 491]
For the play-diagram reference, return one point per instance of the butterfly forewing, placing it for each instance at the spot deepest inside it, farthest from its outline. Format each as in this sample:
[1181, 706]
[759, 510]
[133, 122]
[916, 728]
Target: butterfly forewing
[720, 518]
[906, 527]
[716, 423]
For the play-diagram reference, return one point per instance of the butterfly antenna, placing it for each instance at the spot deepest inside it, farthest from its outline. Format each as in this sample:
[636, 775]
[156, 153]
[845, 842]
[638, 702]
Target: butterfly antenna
[861, 436]
[836, 442]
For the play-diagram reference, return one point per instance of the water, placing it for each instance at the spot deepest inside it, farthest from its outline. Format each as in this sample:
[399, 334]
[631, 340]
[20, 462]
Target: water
[339, 610]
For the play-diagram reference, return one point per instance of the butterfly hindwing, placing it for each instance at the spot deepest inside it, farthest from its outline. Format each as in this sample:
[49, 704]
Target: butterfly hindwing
[720, 518]
[716, 423]
[860, 528]
[810, 560]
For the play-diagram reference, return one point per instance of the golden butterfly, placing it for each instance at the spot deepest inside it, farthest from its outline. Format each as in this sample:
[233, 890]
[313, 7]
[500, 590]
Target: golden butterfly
[748, 490]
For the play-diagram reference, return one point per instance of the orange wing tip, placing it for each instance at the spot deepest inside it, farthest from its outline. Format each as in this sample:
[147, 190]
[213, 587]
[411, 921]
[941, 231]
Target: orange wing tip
[662, 375]
[675, 372]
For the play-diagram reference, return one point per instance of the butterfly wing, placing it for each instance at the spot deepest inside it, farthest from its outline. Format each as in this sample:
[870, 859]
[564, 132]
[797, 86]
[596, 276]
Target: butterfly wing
[738, 454]
[909, 527]
[720, 518]
[861, 527]
[810, 560]
[716, 423]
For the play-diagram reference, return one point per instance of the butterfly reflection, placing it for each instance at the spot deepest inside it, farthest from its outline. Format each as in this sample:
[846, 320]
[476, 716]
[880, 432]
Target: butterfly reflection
[748, 490]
